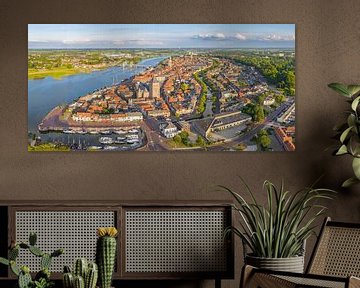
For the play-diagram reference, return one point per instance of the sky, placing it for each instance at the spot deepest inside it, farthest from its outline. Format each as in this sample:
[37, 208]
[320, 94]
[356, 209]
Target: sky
[59, 36]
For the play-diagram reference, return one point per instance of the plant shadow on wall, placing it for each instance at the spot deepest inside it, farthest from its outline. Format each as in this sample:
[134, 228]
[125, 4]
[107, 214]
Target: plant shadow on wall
[349, 132]
[276, 232]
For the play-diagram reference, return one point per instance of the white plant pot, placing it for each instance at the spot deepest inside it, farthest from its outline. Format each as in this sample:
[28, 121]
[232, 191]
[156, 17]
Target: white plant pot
[291, 264]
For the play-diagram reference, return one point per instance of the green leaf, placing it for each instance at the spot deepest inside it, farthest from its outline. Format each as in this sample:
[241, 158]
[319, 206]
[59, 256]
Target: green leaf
[340, 88]
[4, 261]
[32, 238]
[353, 89]
[354, 145]
[355, 103]
[351, 120]
[14, 268]
[349, 182]
[345, 134]
[340, 127]
[342, 150]
[356, 167]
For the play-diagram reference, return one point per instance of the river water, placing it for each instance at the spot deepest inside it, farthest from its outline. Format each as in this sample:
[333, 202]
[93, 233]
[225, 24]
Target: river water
[45, 94]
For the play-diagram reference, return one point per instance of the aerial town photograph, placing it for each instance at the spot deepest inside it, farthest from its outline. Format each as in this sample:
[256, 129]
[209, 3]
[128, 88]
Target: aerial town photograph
[161, 87]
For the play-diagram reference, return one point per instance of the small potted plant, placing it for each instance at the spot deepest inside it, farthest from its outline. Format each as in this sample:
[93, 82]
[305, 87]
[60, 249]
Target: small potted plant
[276, 233]
[42, 278]
[84, 274]
[106, 254]
[349, 132]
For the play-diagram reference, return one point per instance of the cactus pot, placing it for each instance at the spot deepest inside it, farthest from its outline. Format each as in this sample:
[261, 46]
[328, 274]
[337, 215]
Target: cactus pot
[291, 264]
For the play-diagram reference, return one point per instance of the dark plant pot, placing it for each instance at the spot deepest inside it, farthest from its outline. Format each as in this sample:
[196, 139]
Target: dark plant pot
[291, 264]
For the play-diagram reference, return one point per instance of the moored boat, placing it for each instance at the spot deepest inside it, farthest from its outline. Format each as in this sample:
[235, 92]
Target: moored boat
[110, 148]
[120, 132]
[106, 140]
[69, 131]
[95, 148]
[105, 132]
[82, 132]
[132, 136]
[132, 141]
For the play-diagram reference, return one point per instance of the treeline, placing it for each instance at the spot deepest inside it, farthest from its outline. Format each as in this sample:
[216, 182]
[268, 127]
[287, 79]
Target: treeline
[278, 70]
[201, 78]
[202, 99]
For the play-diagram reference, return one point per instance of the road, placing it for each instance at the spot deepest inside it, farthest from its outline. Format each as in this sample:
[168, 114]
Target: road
[154, 141]
[208, 109]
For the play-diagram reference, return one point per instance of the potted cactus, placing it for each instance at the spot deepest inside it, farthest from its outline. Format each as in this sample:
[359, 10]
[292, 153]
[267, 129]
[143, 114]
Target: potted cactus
[85, 275]
[106, 254]
[42, 278]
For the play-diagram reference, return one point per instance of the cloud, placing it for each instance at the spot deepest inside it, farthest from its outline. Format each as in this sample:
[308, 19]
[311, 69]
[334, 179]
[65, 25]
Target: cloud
[244, 37]
[215, 36]
[240, 36]
[277, 37]
[87, 43]
[138, 42]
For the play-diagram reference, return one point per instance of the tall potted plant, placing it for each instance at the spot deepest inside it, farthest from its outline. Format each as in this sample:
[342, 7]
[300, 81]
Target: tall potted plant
[276, 233]
[349, 132]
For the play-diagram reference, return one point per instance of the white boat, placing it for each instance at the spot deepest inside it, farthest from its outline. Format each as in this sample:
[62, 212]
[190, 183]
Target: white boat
[132, 141]
[95, 148]
[133, 130]
[69, 131]
[120, 138]
[120, 132]
[120, 142]
[132, 136]
[110, 148]
[106, 140]
[82, 132]
[105, 132]
[93, 132]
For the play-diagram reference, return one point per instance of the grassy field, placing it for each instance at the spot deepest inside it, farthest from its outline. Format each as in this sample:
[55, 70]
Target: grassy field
[48, 147]
[55, 73]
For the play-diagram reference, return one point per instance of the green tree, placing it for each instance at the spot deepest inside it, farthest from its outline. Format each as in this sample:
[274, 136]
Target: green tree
[259, 114]
[263, 139]
[279, 98]
[200, 141]
[177, 139]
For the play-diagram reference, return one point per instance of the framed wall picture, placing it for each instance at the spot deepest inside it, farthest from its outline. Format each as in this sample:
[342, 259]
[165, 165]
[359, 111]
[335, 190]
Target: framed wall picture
[161, 87]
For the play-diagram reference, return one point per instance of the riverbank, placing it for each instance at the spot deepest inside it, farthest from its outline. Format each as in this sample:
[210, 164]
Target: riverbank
[60, 72]
[54, 73]
[57, 121]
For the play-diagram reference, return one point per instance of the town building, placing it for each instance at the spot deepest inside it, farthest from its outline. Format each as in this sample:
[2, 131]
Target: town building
[169, 130]
[155, 89]
[285, 138]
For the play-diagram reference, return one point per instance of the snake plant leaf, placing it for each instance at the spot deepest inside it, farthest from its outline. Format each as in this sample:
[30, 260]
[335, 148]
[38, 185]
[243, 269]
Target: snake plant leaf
[355, 103]
[356, 167]
[349, 182]
[345, 134]
[340, 88]
[342, 150]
